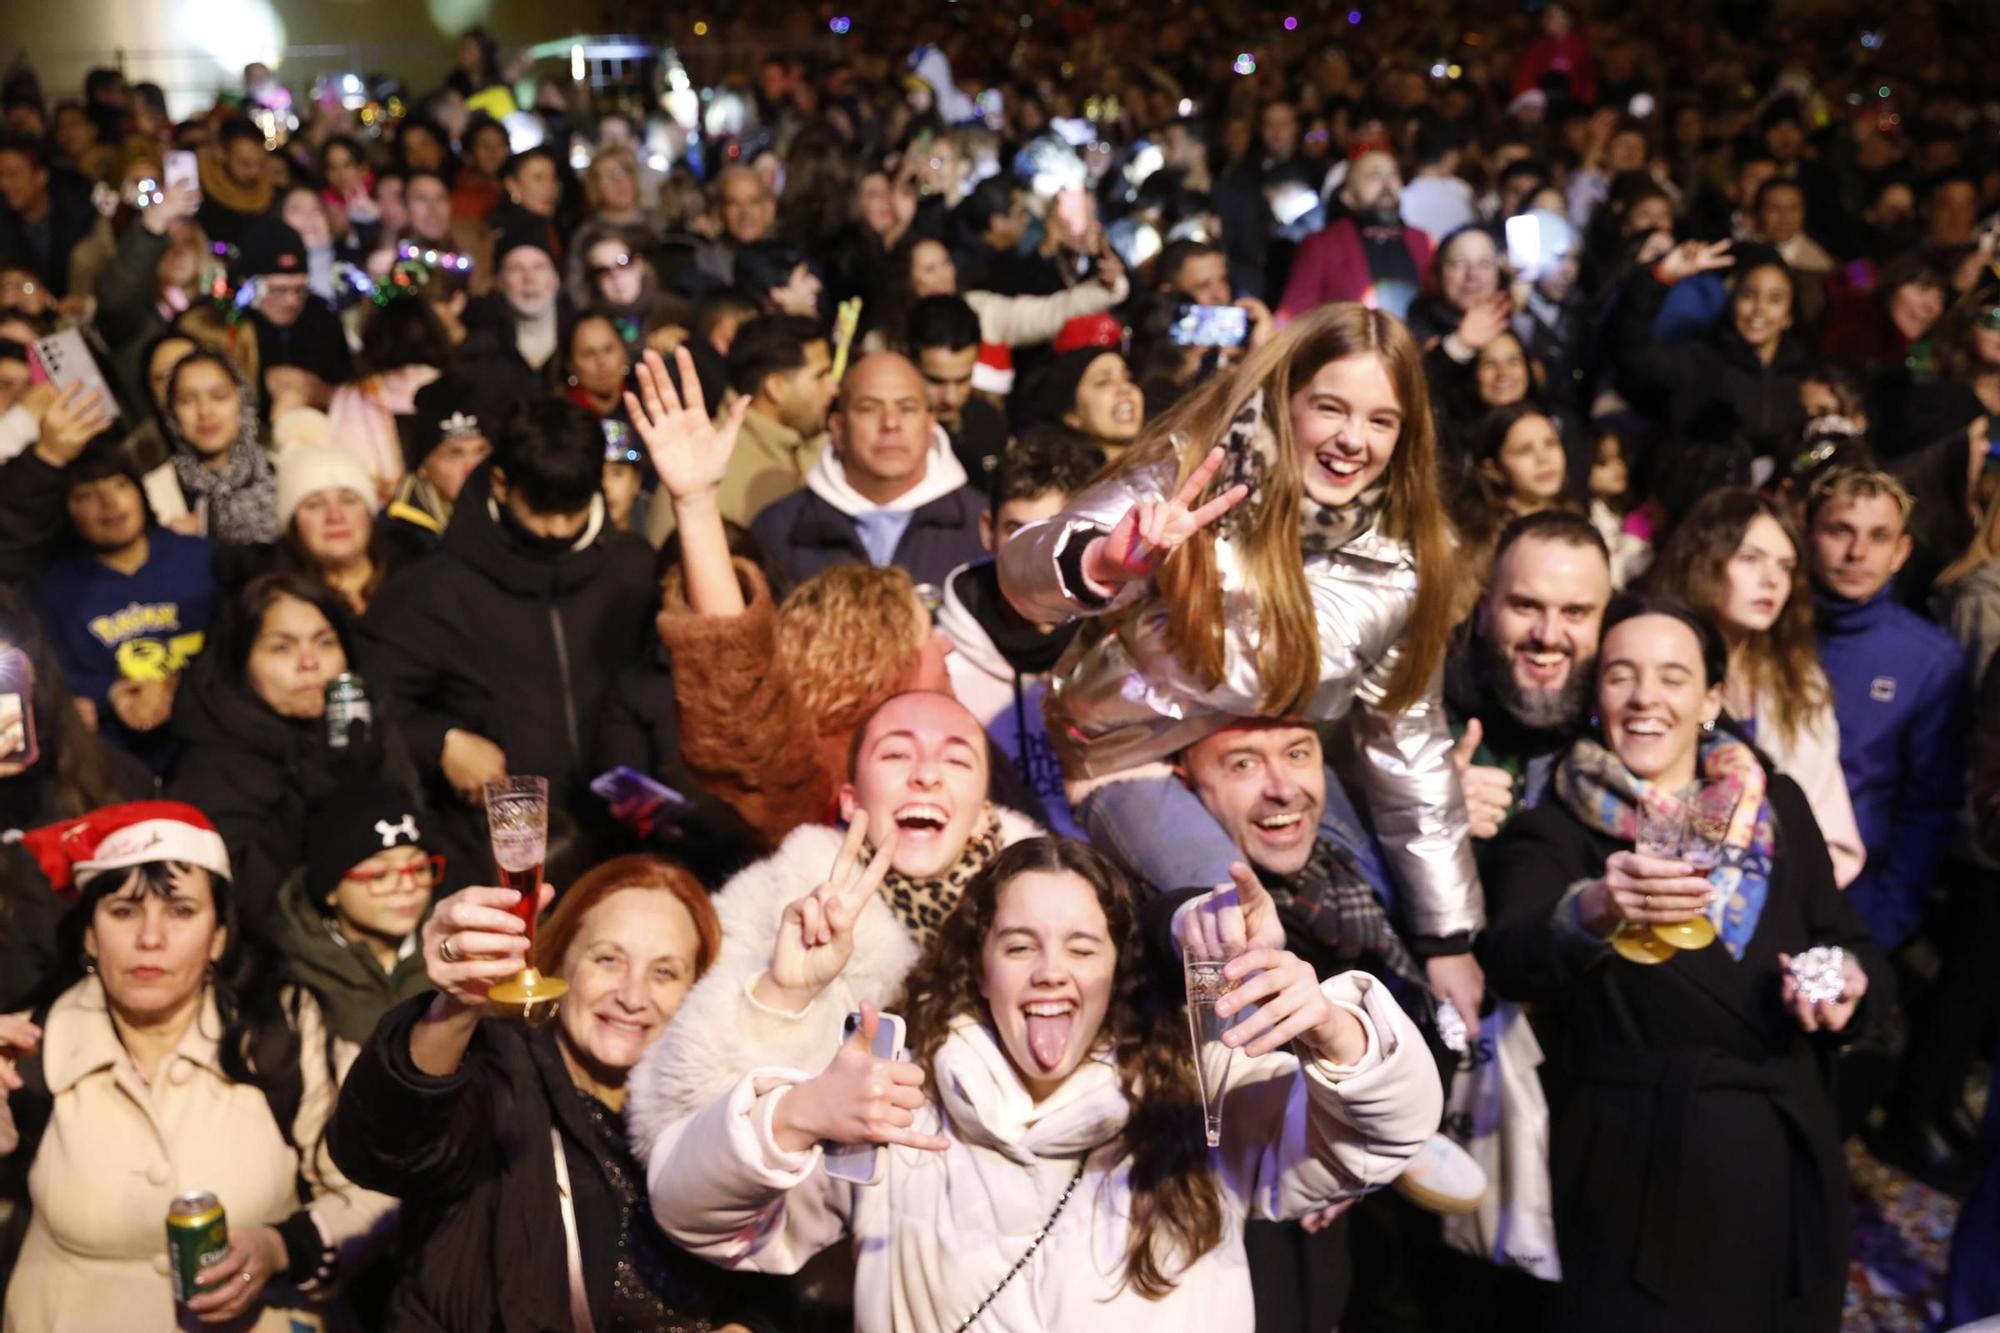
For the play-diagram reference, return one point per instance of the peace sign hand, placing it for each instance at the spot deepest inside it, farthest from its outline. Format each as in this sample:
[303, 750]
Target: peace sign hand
[689, 451]
[1152, 530]
[1693, 257]
[816, 935]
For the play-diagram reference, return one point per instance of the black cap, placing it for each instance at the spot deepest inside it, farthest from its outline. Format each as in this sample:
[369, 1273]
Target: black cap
[448, 408]
[268, 247]
[514, 238]
[352, 823]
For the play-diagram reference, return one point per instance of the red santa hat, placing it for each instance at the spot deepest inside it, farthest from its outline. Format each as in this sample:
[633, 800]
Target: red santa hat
[1099, 330]
[993, 372]
[119, 837]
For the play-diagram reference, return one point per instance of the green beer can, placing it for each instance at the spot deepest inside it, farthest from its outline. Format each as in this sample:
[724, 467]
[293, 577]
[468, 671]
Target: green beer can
[197, 1236]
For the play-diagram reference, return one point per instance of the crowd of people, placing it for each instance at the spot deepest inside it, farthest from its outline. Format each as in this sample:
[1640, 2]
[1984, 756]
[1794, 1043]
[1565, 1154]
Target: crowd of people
[1481, 524]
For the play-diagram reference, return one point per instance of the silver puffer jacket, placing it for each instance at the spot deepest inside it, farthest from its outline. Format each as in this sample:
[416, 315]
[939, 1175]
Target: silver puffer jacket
[1120, 697]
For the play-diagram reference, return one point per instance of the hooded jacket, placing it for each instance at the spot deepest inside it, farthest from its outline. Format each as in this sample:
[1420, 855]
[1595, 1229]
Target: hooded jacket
[941, 1231]
[1121, 698]
[354, 992]
[1900, 693]
[1712, 382]
[820, 526]
[1004, 689]
[490, 638]
[252, 773]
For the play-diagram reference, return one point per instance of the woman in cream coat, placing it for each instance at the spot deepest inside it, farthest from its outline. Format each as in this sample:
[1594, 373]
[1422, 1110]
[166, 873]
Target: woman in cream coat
[1046, 1167]
[133, 1089]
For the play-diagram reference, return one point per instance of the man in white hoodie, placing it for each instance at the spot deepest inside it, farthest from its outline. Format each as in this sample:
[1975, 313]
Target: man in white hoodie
[889, 491]
[1000, 660]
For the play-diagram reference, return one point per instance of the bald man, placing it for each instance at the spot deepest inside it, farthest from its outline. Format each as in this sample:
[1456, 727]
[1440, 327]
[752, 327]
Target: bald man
[889, 490]
[1365, 255]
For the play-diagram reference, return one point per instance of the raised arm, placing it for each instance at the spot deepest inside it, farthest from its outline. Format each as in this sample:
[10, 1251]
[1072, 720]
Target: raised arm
[691, 454]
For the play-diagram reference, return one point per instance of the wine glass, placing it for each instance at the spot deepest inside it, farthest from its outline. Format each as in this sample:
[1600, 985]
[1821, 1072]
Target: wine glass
[1206, 985]
[1709, 814]
[1662, 827]
[517, 823]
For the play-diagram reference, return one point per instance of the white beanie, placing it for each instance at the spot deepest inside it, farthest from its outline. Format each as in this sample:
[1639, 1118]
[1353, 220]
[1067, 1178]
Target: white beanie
[305, 470]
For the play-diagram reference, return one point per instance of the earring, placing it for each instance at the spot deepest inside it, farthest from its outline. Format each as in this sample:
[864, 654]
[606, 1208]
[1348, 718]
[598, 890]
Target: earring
[572, 381]
[1708, 727]
[89, 965]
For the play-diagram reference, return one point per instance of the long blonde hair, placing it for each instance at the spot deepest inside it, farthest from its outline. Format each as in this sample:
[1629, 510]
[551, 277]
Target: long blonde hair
[1288, 642]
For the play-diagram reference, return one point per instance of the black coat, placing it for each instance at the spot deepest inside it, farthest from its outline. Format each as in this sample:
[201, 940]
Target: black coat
[314, 341]
[470, 1156]
[1699, 1181]
[513, 646]
[1715, 387]
[72, 217]
[802, 535]
[253, 774]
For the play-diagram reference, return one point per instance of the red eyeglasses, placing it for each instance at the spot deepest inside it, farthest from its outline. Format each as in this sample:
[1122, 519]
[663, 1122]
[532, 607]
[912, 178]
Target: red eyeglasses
[424, 873]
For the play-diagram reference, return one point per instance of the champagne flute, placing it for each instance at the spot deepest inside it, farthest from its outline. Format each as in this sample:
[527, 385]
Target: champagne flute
[1709, 814]
[1660, 832]
[517, 823]
[1206, 985]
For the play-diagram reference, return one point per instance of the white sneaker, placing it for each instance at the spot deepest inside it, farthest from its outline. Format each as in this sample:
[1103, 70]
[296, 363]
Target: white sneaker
[1442, 1178]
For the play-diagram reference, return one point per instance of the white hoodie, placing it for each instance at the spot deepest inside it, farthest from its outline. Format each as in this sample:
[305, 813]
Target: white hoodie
[1007, 704]
[941, 1230]
[943, 474]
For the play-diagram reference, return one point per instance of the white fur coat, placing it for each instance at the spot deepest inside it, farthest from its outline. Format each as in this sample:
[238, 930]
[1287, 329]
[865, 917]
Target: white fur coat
[721, 1033]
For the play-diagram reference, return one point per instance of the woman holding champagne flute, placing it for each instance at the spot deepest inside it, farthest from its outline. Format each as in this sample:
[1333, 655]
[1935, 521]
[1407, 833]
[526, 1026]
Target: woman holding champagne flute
[1048, 1168]
[523, 1206]
[1697, 1167]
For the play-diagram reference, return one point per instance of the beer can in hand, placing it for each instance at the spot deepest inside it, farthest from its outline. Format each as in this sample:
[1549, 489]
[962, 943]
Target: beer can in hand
[348, 712]
[197, 1236]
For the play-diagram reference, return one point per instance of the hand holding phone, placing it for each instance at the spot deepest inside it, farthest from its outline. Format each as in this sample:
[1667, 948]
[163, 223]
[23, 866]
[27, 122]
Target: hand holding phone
[637, 800]
[18, 749]
[861, 1162]
[1210, 326]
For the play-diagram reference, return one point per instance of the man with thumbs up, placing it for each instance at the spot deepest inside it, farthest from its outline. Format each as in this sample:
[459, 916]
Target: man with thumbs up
[1517, 685]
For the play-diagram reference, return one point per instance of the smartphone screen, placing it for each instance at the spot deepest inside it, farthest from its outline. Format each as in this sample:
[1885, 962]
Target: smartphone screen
[1210, 326]
[17, 708]
[181, 169]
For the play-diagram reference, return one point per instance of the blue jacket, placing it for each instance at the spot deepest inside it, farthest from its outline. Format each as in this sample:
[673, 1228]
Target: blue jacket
[1899, 691]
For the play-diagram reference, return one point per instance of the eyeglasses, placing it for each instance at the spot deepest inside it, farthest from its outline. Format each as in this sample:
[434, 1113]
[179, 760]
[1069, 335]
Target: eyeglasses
[599, 272]
[423, 874]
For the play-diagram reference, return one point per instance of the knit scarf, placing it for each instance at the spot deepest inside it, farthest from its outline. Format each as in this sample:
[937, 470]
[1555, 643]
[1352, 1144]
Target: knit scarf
[923, 904]
[1598, 789]
[1253, 452]
[240, 498]
[1335, 904]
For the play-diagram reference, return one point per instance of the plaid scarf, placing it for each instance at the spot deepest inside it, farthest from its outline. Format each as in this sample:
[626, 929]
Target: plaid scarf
[923, 904]
[1598, 789]
[1253, 453]
[1332, 901]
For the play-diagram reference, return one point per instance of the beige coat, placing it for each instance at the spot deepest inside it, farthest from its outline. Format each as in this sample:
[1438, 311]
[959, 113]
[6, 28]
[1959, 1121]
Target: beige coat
[770, 462]
[116, 1152]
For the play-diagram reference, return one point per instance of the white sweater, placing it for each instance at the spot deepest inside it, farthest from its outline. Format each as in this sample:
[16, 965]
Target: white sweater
[942, 1229]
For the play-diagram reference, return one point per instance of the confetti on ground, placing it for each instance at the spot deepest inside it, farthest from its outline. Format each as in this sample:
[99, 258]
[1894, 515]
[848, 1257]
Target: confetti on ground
[1899, 1239]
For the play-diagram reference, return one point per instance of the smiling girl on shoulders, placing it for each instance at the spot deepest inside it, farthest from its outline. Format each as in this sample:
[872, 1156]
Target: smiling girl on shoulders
[1047, 1163]
[1277, 546]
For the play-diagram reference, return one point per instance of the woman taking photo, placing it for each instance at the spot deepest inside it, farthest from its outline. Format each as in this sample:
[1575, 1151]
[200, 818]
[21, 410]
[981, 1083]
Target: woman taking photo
[1697, 1167]
[496, 1132]
[1735, 558]
[1059, 1172]
[228, 489]
[250, 718]
[173, 1060]
[1298, 495]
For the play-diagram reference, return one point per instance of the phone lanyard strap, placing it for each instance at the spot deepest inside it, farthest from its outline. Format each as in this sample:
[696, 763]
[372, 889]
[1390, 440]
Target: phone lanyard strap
[1033, 1245]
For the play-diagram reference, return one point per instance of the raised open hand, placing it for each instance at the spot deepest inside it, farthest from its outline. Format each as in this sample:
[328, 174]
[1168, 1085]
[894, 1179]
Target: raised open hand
[816, 936]
[689, 451]
[1152, 530]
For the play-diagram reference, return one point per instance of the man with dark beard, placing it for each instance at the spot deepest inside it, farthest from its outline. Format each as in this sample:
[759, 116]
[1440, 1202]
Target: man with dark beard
[1366, 254]
[1518, 681]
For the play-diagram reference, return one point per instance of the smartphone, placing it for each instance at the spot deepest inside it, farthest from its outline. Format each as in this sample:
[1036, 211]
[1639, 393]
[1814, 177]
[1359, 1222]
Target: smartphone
[1524, 243]
[639, 799]
[181, 169]
[861, 1163]
[17, 712]
[1210, 326]
[63, 359]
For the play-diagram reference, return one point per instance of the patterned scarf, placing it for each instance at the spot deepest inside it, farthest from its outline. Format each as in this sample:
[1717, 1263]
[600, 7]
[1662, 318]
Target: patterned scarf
[923, 904]
[240, 498]
[1332, 900]
[1253, 453]
[1598, 789]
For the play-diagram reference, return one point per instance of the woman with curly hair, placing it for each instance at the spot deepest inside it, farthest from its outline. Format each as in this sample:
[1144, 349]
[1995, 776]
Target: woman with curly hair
[1045, 1154]
[1736, 559]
